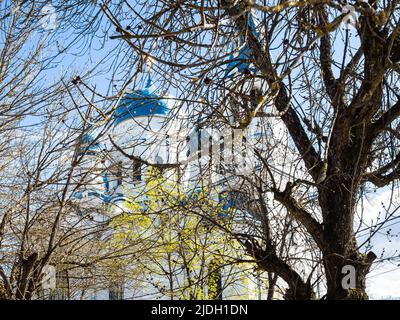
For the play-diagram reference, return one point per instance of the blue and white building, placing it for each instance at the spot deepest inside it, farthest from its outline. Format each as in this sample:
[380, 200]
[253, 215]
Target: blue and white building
[144, 129]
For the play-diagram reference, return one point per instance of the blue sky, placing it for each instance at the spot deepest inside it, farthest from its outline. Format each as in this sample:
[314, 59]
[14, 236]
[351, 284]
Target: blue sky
[106, 57]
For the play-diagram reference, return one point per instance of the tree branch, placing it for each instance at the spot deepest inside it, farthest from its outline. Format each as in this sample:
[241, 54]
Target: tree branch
[269, 261]
[263, 62]
[395, 52]
[7, 285]
[140, 160]
[386, 119]
[326, 58]
[380, 177]
[301, 215]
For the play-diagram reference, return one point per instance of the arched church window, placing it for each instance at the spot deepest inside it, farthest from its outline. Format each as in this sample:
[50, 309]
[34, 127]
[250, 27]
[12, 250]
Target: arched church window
[119, 173]
[137, 171]
[221, 154]
[244, 145]
[187, 143]
[199, 142]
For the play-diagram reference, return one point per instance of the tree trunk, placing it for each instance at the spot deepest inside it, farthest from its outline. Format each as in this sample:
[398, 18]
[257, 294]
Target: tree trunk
[345, 267]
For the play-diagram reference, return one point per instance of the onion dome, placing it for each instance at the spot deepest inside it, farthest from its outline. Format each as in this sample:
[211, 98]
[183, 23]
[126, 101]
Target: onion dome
[88, 145]
[241, 62]
[141, 103]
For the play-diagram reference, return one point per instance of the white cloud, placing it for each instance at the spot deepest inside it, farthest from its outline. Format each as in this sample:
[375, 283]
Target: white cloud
[383, 282]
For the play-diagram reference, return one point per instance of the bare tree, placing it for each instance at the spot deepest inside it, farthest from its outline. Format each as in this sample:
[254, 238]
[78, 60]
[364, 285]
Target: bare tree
[41, 153]
[332, 82]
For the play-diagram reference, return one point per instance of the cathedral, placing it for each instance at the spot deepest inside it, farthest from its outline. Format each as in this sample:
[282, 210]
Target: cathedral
[147, 133]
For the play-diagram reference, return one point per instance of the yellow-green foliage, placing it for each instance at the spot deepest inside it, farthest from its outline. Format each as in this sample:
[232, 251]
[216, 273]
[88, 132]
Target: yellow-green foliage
[169, 232]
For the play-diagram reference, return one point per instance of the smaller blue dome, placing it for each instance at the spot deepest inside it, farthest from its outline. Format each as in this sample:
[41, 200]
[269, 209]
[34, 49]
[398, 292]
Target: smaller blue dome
[241, 62]
[140, 103]
[88, 145]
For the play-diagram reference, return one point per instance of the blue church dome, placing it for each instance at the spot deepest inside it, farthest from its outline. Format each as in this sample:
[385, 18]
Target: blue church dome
[141, 103]
[88, 145]
[242, 61]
